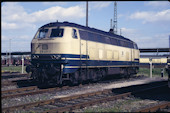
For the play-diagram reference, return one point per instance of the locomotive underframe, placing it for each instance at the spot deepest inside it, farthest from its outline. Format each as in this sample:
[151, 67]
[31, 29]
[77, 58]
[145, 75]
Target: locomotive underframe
[95, 74]
[46, 72]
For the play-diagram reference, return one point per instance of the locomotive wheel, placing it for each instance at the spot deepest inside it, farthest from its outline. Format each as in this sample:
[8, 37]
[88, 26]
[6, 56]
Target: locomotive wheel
[74, 77]
[43, 77]
[98, 74]
[103, 72]
[88, 75]
[83, 76]
[127, 73]
[35, 73]
[93, 75]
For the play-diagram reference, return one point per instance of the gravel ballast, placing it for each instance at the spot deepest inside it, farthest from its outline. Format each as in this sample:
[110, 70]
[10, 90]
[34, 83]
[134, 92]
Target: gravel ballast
[84, 89]
[128, 104]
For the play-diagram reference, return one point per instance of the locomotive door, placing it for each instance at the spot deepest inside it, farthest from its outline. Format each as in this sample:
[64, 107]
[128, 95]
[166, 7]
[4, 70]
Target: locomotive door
[132, 56]
[83, 58]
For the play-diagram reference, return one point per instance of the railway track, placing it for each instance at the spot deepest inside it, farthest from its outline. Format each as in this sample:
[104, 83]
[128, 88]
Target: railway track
[8, 83]
[15, 75]
[12, 79]
[8, 72]
[14, 82]
[17, 83]
[31, 91]
[155, 108]
[75, 101]
[16, 92]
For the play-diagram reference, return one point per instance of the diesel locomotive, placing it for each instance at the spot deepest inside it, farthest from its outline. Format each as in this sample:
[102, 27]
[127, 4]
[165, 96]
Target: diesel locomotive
[64, 51]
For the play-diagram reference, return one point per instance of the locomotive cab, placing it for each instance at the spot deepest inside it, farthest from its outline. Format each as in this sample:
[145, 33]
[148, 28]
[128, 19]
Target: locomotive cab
[50, 49]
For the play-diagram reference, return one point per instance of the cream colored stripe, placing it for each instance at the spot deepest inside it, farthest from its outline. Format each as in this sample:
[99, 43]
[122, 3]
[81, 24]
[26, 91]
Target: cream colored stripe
[90, 59]
[96, 66]
[73, 58]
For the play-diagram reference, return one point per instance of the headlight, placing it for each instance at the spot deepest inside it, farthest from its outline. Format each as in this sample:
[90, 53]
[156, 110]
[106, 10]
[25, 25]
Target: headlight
[35, 57]
[55, 56]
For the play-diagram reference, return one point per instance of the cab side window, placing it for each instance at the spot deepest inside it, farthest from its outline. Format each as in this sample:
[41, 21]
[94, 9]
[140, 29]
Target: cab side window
[74, 34]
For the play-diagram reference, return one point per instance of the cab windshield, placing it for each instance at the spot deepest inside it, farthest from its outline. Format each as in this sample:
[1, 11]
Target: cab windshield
[42, 33]
[57, 32]
[54, 33]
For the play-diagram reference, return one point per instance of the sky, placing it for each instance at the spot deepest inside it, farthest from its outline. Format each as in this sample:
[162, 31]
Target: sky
[145, 22]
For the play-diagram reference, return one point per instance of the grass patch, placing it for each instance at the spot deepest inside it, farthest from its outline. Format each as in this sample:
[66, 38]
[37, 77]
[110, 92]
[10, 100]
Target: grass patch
[155, 72]
[13, 69]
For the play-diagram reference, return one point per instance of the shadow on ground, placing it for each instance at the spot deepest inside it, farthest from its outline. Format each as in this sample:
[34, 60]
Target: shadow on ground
[160, 94]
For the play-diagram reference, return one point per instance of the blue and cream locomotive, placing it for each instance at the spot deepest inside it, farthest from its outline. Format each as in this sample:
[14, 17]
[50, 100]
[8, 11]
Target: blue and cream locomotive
[63, 51]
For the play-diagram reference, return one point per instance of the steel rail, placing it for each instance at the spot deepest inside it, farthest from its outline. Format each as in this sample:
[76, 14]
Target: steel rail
[14, 82]
[13, 73]
[8, 83]
[9, 76]
[19, 89]
[34, 92]
[154, 108]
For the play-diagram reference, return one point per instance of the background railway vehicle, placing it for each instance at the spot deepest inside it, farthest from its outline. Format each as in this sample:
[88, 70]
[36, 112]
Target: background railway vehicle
[63, 51]
[3, 62]
[156, 62]
[12, 62]
[15, 61]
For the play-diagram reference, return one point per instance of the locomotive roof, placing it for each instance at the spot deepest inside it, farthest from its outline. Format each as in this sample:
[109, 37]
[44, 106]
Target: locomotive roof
[53, 24]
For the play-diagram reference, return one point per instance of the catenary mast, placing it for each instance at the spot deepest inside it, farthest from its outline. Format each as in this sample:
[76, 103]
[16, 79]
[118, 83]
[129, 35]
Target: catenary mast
[115, 18]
